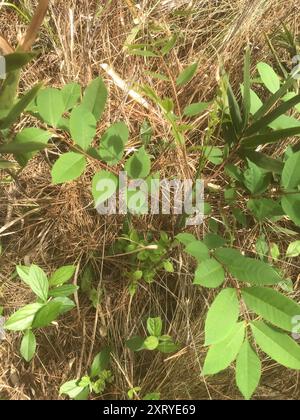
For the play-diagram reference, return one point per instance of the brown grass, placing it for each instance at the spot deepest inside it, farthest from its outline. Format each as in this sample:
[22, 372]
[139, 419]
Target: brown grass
[53, 225]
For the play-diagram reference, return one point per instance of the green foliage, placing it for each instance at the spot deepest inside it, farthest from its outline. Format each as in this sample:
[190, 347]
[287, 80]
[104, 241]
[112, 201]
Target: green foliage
[95, 382]
[52, 301]
[155, 339]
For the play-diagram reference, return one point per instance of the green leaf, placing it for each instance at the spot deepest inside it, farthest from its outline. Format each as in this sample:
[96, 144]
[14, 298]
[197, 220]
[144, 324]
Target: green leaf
[17, 60]
[62, 275]
[30, 135]
[272, 306]
[235, 111]
[185, 238]
[104, 185]
[71, 94]
[291, 204]
[95, 97]
[113, 142]
[167, 347]
[38, 282]
[19, 107]
[28, 346]
[213, 241]
[154, 326]
[291, 172]
[22, 319]
[198, 250]
[139, 165]
[151, 343]
[51, 105]
[100, 363]
[65, 290]
[209, 273]
[195, 109]
[74, 391]
[221, 355]
[16, 148]
[269, 77]
[6, 164]
[222, 317]
[254, 141]
[68, 167]
[263, 208]
[293, 249]
[276, 344]
[23, 273]
[213, 154]
[66, 304]
[248, 370]
[47, 314]
[82, 126]
[247, 269]
[263, 161]
[246, 87]
[255, 179]
[153, 396]
[187, 74]
[135, 343]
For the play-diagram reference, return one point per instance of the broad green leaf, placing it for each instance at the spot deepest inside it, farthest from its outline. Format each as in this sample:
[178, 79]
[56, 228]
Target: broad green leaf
[30, 135]
[154, 326]
[38, 282]
[276, 344]
[100, 363]
[16, 148]
[291, 172]
[104, 185]
[23, 273]
[28, 346]
[68, 167]
[185, 238]
[247, 269]
[255, 179]
[82, 126]
[65, 290]
[269, 77]
[187, 74]
[135, 343]
[71, 94]
[47, 314]
[113, 143]
[293, 249]
[248, 370]
[198, 250]
[274, 307]
[22, 319]
[213, 154]
[291, 205]
[209, 273]
[95, 97]
[222, 317]
[195, 109]
[138, 166]
[167, 347]
[263, 208]
[213, 241]
[66, 304]
[263, 161]
[151, 343]
[50, 105]
[74, 391]
[221, 355]
[62, 275]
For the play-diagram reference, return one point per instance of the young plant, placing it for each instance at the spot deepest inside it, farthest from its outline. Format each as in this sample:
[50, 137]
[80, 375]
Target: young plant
[52, 302]
[95, 382]
[155, 339]
[247, 313]
[146, 257]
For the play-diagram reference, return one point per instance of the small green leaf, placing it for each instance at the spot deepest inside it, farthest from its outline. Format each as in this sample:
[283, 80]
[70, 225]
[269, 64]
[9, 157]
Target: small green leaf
[209, 273]
[113, 142]
[167, 347]
[213, 154]
[28, 346]
[187, 74]
[222, 317]
[276, 344]
[221, 355]
[30, 135]
[62, 275]
[47, 314]
[50, 105]
[291, 204]
[74, 391]
[248, 370]
[269, 77]
[154, 326]
[22, 319]
[272, 306]
[185, 238]
[68, 167]
[139, 165]
[95, 97]
[38, 282]
[71, 94]
[100, 363]
[255, 179]
[195, 109]
[82, 126]
[104, 185]
[291, 172]
[135, 343]
[198, 250]
[65, 290]
[151, 343]
[293, 249]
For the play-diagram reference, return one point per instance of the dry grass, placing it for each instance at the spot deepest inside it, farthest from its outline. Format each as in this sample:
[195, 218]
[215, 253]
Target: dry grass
[54, 225]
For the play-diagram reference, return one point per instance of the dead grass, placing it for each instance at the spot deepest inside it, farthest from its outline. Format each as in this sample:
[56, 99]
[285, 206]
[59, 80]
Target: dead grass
[52, 225]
